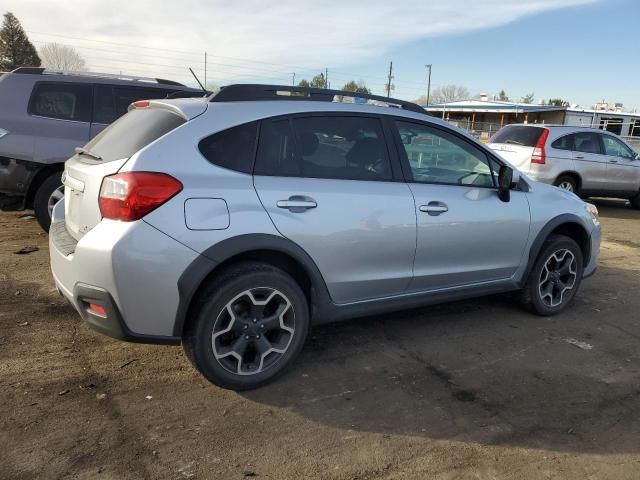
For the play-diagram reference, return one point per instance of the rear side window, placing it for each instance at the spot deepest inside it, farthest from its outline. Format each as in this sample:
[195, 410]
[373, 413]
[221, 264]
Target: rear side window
[336, 147]
[233, 148]
[563, 143]
[518, 135]
[132, 132]
[587, 142]
[63, 101]
[111, 102]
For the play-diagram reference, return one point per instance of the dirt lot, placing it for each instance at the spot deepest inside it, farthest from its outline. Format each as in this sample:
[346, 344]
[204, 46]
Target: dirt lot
[470, 390]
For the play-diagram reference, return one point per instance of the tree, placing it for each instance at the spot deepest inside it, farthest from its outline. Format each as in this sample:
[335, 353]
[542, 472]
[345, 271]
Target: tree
[304, 83]
[502, 96]
[318, 81]
[558, 102]
[15, 48]
[61, 57]
[447, 93]
[356, 87]
[528, 98]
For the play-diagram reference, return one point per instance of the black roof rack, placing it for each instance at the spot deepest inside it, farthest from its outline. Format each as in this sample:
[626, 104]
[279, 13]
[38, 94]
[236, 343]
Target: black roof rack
[131, 78]
[255, 92]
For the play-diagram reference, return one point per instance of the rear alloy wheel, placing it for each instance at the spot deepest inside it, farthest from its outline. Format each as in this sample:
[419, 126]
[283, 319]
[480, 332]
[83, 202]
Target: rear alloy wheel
[248, 325]
[635, 202]
[48, 194]
[555, 277]
[567, 183]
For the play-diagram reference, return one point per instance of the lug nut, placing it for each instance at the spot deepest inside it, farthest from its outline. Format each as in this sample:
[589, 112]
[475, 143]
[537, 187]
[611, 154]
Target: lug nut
[245, 327]
[255, 320]
[258, 336]
[247, 337]
[261, 326]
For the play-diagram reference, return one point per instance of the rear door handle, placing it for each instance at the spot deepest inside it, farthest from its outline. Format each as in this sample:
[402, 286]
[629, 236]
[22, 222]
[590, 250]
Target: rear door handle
[297, 203]
[579, 157]
[613, 161]
[434, 208]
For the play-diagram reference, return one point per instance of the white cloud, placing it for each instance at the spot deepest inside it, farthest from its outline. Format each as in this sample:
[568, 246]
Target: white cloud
[285, 33]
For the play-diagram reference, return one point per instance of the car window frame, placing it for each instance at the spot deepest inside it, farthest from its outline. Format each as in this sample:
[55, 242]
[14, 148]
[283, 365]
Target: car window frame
[37, 84]
[573, 142]
[406, 165]
[397, 174]
[604, 147]
[254, 155]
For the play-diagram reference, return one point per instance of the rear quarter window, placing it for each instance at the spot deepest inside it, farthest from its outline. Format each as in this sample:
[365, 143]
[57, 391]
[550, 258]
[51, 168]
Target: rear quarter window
[132, 132]
[524, 136]
[564, 143]
[233, 148]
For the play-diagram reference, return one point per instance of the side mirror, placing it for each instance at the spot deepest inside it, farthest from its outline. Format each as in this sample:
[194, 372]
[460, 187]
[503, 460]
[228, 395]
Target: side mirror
[505, 181]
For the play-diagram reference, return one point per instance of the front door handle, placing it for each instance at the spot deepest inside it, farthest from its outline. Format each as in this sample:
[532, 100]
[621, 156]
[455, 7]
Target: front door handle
[579, 157]
[297, 203]
[613, 161]
[434, 208]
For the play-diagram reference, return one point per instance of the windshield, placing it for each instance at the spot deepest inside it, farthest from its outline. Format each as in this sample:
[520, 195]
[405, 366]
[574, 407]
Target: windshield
[518, 135]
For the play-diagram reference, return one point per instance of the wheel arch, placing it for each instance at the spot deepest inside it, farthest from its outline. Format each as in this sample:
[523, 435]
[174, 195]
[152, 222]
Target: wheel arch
[573, 174]
[265, 248]
[567, 224]
[38, 179]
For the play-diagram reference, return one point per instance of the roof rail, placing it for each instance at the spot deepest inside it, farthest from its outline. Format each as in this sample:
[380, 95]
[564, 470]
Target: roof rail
[133, 78]
[255, 92]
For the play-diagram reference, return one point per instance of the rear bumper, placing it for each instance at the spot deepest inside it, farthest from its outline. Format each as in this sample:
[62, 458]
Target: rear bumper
[131, 270]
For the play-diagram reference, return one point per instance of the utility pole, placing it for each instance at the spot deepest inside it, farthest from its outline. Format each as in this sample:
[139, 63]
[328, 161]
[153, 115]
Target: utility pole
[390, 77]
[428, 83]
[293, 79]
[205, 69]
[326, 78]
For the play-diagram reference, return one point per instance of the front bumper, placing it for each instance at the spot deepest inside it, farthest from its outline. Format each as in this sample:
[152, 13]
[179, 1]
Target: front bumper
[594, 252]
[130, 269]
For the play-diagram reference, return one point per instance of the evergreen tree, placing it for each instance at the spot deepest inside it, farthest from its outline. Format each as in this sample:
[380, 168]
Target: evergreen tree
[15, 48]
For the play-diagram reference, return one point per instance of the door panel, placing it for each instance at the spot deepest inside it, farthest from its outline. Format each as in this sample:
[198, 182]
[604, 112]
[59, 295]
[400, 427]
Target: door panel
[326, 183]
[590, 162]
[622, 171]
[361, 235]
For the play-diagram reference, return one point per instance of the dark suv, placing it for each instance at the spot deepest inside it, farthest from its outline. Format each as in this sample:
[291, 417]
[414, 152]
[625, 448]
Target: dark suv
[45, 114]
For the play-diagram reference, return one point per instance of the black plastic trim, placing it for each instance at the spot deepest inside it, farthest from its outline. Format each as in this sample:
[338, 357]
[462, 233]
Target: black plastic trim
[112, 324]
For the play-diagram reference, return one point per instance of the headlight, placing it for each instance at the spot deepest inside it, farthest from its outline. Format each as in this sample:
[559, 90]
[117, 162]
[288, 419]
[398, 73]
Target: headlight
[593, 212]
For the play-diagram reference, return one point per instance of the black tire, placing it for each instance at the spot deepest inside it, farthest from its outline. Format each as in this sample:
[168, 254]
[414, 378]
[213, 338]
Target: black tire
[42, 199]
[635, 202]
[568, 180]
[209, 316]
[532, 297]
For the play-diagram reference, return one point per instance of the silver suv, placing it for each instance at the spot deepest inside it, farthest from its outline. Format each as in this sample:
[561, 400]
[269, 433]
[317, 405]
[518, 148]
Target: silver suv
[587, 161]
[233, 223]
[45, 114]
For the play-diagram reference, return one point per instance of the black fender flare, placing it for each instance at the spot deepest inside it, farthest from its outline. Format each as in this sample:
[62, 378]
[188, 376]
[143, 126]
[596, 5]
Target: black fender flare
[205, 263]
[544, 233]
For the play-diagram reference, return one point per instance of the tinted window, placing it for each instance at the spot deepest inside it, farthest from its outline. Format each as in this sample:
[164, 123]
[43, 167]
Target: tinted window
[132, 132]
[518, 135]
[563, 143]
[615, 148]
[125, 96]
[103, 106]
[65, 101]
[436, 156]
[233, 148]
[349, 148]
[587, 142]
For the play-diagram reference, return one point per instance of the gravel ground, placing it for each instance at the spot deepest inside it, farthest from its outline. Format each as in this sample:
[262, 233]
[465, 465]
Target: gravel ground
[468, 390]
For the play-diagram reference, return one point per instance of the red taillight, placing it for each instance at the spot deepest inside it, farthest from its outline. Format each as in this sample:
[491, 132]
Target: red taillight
[130, 196]
[97, 309]
[141, 104]
[539, 154]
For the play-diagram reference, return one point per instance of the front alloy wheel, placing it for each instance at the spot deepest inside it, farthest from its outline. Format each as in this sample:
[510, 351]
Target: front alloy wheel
[558, 276]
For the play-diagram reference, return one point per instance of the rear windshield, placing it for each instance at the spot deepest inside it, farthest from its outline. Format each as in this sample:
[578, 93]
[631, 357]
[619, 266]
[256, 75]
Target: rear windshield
[132, 132]
[518, 135]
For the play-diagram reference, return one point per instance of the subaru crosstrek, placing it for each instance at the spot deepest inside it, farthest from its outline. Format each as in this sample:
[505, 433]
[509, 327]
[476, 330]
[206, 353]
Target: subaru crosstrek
[233, 223]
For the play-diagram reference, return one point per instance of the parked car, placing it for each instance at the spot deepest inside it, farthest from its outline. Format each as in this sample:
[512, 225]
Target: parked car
[233, 223]
[587, 161]
[45, 114]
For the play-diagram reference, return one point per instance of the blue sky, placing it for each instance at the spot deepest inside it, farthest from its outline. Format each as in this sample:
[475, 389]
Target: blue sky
[583, 54]
[580, 50]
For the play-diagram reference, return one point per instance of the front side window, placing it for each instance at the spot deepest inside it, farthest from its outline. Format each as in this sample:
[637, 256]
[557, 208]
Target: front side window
[336, 147]
[587, 142]
[436, 156]
[63, 101]
[233, 148]
[615, 148]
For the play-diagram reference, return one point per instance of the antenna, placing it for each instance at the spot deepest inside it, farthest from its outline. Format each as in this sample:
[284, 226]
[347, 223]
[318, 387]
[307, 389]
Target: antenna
[197, 80]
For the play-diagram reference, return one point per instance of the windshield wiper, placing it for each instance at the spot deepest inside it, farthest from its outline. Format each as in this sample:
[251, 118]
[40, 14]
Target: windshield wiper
[513, 142]
[88, 153]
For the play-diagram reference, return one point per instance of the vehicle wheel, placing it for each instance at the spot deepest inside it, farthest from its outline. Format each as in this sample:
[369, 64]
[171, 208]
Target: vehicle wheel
[248, 325]
[567, 182]
[635, 202]
[555, 277]
[49, 193]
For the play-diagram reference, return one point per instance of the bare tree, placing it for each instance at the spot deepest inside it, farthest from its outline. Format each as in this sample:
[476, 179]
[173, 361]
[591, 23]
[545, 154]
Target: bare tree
[528, 98]
[61, 57]
[444, 94]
